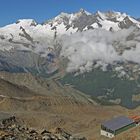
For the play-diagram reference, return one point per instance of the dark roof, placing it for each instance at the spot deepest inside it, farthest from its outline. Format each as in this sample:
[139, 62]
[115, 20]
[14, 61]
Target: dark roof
[117, 123]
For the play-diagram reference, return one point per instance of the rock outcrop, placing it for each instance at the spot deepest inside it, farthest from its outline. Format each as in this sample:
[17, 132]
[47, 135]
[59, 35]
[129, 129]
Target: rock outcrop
[13, 128]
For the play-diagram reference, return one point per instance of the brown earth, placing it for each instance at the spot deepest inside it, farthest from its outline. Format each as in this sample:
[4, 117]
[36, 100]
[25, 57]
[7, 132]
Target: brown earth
[45, 104]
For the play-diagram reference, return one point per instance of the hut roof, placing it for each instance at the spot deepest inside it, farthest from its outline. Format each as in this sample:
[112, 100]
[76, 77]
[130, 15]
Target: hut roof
[117, 123]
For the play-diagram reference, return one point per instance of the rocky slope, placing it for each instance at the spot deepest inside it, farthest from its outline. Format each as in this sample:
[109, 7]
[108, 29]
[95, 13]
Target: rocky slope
[27, 92]
[40, 86]
[13, 128]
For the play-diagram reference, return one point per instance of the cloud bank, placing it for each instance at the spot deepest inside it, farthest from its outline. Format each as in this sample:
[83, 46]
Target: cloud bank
[83, 49]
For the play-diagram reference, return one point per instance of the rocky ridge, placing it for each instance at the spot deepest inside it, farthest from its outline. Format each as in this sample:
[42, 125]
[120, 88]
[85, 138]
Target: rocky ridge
[14, 129]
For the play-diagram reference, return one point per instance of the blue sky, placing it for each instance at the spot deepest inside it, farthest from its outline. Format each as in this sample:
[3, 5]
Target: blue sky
[40, 10]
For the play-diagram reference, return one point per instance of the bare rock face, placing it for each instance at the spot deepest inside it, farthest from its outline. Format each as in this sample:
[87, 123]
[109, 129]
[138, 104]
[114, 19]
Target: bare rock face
[14, 129]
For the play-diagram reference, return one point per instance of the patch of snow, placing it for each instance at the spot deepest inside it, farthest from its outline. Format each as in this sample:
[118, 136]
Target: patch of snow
[108, 24]
[95, 25]
[101, 15]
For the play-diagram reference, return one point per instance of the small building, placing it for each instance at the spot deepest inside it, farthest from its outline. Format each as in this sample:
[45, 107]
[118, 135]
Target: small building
[136, 119]
[116, 126]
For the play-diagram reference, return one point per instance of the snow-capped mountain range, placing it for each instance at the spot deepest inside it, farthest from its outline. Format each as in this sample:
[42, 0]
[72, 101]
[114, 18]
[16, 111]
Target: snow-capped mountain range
[70, 23]
[29, 32]
[29, 46]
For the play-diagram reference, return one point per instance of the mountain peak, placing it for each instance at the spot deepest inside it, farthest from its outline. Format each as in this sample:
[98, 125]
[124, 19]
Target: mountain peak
[29, 22]
[100, 15]
[84, 11]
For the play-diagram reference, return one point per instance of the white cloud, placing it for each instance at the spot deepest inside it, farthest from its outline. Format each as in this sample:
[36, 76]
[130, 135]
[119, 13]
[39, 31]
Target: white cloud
[84, 48]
